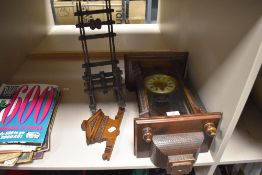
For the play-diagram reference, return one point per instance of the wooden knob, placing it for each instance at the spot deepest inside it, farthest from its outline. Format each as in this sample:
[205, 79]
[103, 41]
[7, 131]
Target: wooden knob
[210, 129]
[147, 134]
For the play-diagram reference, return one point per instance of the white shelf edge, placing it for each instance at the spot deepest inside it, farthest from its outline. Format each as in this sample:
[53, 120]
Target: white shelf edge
[245, 144]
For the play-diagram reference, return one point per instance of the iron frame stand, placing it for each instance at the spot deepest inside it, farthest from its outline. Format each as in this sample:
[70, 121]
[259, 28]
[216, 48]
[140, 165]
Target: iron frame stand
[102, 81]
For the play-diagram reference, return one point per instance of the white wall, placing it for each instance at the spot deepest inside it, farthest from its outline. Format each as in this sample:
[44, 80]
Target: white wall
[130, 37]
[22, 26]
[223, 39]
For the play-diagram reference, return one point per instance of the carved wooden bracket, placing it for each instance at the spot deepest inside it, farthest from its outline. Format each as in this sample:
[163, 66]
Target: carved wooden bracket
[173, 143]
[98, 129]
[176, 152]
[147, 128]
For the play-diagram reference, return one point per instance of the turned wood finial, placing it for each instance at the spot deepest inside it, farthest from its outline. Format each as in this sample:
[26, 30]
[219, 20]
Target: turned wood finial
[210, 129]
[147, 134]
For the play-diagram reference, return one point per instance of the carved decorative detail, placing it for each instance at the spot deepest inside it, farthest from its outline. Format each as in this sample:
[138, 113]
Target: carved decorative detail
[173, 150]
[100, 127]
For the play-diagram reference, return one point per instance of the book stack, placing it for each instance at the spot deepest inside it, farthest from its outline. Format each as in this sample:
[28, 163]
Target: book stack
[27, 114]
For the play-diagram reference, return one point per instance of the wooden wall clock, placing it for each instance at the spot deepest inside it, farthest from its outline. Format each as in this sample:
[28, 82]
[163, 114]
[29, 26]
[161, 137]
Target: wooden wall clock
[173, 126]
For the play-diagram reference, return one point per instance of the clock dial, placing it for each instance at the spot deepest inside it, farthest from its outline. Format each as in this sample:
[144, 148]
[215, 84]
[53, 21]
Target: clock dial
[160, 83]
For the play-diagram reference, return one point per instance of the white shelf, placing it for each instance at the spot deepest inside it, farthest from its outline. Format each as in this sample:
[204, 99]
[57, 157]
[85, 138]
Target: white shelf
[225, 54]
[245, 144]
[202, 170]
[68, 146]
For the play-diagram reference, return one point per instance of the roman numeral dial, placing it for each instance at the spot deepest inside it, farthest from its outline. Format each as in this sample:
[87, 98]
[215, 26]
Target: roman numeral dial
[160, 83]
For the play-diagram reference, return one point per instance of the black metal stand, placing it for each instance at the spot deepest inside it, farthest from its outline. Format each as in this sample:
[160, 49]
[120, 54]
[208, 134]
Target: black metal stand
[102, 80]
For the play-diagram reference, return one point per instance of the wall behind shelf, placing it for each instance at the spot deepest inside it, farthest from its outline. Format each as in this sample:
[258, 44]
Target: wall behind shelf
[23, 25]
[224, 42]
[130, 37]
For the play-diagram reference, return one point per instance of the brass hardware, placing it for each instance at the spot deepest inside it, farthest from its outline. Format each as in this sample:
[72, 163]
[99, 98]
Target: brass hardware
[147, 134]
[210, 129]
[160, 83]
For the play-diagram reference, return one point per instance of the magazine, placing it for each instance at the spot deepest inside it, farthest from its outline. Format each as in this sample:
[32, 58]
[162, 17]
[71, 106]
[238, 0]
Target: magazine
[25, 112]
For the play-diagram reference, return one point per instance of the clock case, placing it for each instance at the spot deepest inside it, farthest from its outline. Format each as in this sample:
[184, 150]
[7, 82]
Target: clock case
[172, 142]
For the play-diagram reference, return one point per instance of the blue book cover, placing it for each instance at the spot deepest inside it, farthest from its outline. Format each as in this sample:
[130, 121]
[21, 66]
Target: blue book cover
[25, 112]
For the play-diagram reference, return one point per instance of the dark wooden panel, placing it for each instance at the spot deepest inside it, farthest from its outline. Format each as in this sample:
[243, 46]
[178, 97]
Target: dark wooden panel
[169, 60]
[171, 125]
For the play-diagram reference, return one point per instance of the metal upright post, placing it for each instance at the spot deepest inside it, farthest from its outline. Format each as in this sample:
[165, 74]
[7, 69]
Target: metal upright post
[127, 12]
[123, 11]
[148, 11]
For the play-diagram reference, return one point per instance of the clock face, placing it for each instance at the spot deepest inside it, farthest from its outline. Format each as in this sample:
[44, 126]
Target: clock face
[160, 83]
